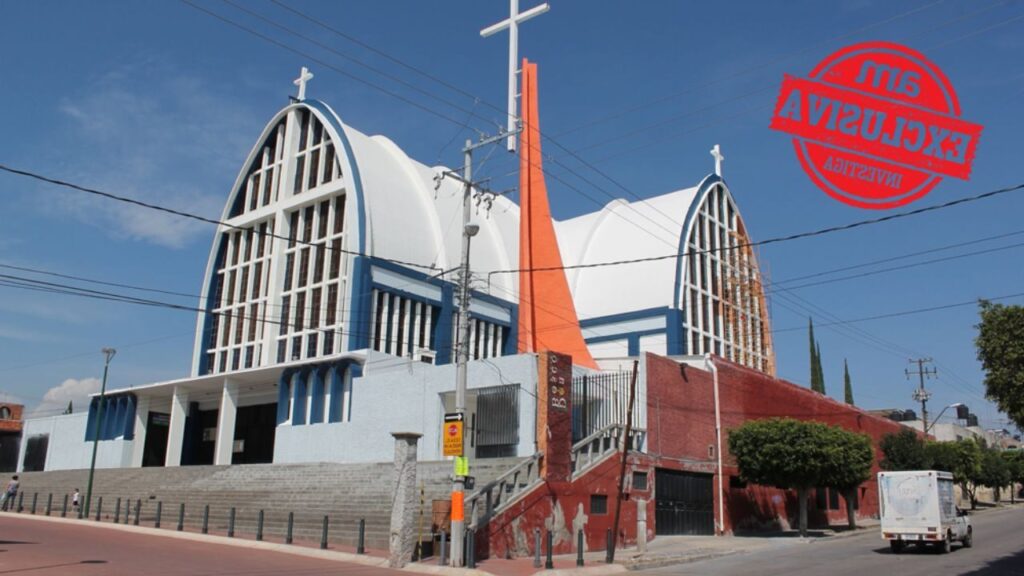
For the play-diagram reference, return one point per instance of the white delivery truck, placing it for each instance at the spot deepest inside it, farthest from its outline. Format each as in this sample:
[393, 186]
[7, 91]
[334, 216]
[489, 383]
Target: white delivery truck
[918, 507]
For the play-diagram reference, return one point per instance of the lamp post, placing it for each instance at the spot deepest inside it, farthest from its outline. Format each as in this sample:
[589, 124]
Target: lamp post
[936, 420]
[108, 354]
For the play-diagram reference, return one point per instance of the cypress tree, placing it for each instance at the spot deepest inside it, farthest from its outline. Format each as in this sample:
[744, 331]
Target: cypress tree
[814, 354]
[846, 383]
[821, 371]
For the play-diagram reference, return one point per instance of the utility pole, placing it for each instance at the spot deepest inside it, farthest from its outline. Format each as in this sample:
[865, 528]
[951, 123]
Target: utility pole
[108, 354]
[921, 395]
[469, 229]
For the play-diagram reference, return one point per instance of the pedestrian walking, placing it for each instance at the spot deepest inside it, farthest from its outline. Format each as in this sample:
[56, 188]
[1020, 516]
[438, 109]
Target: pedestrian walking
[74, 500]
[9, 495]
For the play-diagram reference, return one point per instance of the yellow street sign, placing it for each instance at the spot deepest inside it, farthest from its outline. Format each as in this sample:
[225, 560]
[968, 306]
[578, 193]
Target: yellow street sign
[451, 435]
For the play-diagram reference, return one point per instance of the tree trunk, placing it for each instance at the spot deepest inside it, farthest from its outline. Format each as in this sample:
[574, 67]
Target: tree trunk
[801, 495]
[851, 519]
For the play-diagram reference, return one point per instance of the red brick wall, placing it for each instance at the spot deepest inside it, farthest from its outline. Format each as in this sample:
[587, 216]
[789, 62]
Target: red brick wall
[511, 533]
[13, 424]
[681, 430]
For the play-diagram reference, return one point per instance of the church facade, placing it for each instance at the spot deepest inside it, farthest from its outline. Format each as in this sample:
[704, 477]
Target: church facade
[329, 308]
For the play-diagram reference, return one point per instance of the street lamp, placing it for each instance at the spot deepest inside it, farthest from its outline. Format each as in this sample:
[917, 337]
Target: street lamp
[108, 354]
[936, 420]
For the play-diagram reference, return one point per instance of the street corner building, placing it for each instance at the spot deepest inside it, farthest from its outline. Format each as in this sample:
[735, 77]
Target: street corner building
[329, 313]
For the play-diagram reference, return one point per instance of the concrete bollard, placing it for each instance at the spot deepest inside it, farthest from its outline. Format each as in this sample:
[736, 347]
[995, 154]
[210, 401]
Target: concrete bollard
[579, 548]
[323, 535]
[35, 498]
[361, 545]
[117, 511]
[49, 503]
[99, 507]
[231, 523]
[259, 527]
[138, 509]
[206, 519]
[442, 553]
[21, 501]
[291, 526]
[127, 510]
[159, 511]
[181, 517]
[64, 510]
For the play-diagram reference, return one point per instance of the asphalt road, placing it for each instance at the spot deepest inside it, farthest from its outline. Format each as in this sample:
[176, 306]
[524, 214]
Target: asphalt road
[39, 548]
[998, 551]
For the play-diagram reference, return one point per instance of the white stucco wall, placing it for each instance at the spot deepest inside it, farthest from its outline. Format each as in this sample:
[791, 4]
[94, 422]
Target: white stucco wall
[399, 395]
[67, 448]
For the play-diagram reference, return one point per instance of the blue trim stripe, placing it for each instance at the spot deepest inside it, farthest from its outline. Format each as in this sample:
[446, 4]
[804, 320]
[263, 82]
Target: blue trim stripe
[698, 200]
[623, 317]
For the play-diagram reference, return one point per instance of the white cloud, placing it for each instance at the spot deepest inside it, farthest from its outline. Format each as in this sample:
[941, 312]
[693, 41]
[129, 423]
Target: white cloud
[158, 136]
[56, 399]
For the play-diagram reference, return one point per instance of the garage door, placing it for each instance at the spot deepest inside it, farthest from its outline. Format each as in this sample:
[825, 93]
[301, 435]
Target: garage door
[683, 503]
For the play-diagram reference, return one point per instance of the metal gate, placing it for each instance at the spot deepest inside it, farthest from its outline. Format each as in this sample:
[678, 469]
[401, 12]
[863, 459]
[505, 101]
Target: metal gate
[683, 503]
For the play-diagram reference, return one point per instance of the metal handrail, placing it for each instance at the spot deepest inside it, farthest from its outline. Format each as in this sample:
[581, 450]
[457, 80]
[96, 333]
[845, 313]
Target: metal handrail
[482, 505]
[589, 451]
[518, 480]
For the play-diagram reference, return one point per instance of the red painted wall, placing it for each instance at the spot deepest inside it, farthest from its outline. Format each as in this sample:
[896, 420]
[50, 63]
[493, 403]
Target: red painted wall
[681, 433]
[681, 436]
[511, 533]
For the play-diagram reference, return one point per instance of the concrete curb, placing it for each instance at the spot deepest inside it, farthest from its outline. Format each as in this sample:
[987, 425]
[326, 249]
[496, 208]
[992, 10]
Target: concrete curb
[696, 556]
[334, 555]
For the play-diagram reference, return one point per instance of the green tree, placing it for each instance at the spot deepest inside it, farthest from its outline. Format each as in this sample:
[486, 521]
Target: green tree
[1015, 467]
[847, 386]
[70, 409]
[963, 459]
[852, 457]
[795, 454]
[994, 473]
[1000, 344]
[904, 450]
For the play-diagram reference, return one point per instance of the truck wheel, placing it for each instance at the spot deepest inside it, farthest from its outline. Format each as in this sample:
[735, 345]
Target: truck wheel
[896, 546]
[946, 546]
[969, 539]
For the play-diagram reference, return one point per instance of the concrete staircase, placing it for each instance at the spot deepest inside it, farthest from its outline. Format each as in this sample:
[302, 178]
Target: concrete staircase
[345, 493]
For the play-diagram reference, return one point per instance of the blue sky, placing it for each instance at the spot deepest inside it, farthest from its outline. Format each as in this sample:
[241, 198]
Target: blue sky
[161, 102]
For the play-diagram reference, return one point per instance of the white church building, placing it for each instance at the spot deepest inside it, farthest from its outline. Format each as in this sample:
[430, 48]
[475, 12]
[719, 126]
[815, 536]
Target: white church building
[329, 310]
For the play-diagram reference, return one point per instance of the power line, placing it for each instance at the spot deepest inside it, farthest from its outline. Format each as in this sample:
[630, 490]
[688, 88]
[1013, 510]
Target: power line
[191, 216]
[905, 266]
[780, 239]
[900, 257]
[909, 312]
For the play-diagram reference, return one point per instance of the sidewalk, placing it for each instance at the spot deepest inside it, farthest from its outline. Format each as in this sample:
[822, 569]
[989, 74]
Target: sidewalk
[663, 551]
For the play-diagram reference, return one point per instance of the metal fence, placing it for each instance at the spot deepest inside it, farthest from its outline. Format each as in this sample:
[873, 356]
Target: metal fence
[602, 399]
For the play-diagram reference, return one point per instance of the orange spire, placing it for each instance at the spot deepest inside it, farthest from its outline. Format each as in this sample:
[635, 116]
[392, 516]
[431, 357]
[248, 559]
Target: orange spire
[547, 315]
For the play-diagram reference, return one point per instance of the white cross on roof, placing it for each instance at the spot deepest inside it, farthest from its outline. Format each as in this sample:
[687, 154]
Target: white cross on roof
[304, 77]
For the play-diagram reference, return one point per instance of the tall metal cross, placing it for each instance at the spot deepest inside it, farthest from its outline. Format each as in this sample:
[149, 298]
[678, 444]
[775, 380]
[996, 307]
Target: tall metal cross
[512, 24]
[717, 153]
[304, 77]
